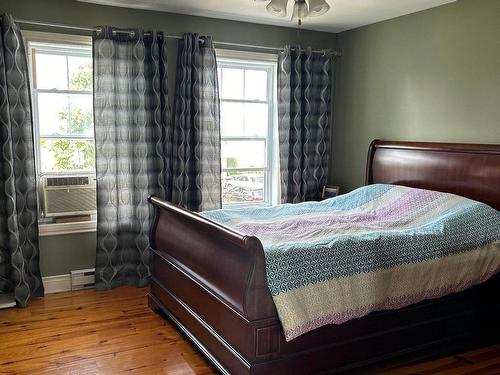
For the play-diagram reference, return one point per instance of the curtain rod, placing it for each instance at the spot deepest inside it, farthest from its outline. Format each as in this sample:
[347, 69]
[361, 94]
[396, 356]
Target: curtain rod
[92, 29]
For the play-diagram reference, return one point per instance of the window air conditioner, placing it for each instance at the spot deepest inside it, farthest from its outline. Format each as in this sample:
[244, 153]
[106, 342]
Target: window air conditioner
[69, 195]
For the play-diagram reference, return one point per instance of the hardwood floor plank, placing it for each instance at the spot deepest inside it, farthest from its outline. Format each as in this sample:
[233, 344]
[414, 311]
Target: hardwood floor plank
[115, 332]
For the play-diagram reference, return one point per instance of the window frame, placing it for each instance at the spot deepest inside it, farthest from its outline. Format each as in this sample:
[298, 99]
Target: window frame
[62, 50]
[68, 41]
[266, 62]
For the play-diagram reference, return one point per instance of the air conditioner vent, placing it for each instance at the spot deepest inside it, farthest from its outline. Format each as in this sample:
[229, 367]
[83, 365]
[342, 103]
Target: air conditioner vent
[67, 181]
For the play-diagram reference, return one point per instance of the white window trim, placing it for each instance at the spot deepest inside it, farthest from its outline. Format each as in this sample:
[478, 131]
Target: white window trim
[256, 57]
[65, 39]
[272, 151]
[55, 229]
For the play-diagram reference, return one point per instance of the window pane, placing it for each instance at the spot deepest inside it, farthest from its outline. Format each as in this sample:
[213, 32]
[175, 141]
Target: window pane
[242, 187]
[51, 71]
[244, 119]
[232, 83]
[80, 73]
[232, 118]
[243, 154]
[255, 84]
[59, 155]
[62, 114]
[256, 118]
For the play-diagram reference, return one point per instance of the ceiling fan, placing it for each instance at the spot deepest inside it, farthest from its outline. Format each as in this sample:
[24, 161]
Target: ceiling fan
[301, 8]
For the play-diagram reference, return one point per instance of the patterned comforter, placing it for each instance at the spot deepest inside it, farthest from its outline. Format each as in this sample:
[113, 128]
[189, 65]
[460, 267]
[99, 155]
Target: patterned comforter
[378, 247]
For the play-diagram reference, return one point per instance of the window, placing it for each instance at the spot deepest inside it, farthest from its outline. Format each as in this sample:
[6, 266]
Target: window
[247, 108]
[62, 102]
[62, 106]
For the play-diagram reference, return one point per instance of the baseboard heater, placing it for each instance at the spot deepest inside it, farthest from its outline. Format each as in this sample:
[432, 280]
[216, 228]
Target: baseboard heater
[82, 279]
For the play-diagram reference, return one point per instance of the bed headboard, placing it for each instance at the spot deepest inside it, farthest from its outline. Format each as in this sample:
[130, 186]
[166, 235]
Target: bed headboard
[470, 170]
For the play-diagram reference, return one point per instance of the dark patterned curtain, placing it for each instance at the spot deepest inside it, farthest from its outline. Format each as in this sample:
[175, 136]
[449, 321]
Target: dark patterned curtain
[304, 90]
[19, 253]
[197, 169]
[131, 118]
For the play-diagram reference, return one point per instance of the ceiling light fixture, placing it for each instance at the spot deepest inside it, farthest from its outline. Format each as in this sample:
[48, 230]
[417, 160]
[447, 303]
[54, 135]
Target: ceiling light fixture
[277, 7]
[301, 8]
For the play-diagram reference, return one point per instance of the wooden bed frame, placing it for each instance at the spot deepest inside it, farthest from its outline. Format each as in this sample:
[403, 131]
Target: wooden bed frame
[210, 281]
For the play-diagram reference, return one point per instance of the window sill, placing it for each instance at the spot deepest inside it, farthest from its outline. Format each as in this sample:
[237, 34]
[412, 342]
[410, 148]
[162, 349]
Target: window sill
[67, 228]
[246, 205]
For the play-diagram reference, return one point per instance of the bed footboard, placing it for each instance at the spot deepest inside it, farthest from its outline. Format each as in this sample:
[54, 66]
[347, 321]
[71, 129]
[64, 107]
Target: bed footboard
[211, 282]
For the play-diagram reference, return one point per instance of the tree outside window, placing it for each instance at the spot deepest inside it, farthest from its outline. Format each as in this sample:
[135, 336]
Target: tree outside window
[74, 155]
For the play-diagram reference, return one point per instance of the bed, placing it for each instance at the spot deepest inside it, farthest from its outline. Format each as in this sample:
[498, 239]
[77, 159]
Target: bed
[210, 281]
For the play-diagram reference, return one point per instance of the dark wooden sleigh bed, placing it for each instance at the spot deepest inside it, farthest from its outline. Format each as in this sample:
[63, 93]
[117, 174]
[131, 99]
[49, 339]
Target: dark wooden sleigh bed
[211, 282]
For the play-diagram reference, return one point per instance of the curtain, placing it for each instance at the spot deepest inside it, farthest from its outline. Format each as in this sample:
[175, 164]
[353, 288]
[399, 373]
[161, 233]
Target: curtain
[19, 252]
[196, 134]
[132, 134]
[304, 90]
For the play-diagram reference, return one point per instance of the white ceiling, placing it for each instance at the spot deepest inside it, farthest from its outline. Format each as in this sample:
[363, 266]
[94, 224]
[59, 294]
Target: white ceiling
[343, 15]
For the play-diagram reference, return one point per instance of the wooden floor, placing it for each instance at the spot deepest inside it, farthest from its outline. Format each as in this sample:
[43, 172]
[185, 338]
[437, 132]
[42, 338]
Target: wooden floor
[114, 332]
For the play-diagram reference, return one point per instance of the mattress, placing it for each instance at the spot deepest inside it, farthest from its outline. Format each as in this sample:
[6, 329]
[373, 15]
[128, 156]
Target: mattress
[379, 247]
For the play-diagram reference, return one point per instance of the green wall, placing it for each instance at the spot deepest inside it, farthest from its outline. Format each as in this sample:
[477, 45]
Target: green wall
[60, 254]
[428, 76]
